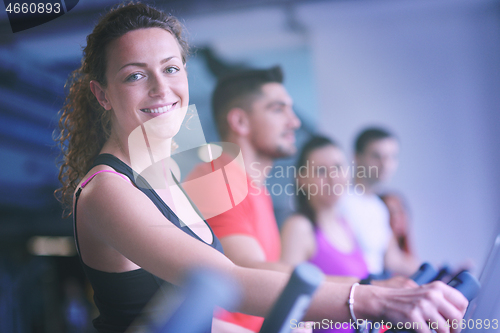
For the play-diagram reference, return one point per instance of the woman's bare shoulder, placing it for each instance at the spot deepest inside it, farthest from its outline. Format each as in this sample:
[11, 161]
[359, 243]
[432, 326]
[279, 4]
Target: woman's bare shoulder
[124, 218]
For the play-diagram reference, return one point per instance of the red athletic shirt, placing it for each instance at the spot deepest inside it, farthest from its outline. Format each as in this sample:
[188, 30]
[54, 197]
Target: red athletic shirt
[254, 217]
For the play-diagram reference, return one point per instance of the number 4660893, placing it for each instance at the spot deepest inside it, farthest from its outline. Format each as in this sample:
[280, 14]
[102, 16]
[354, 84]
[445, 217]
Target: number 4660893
[33, 8]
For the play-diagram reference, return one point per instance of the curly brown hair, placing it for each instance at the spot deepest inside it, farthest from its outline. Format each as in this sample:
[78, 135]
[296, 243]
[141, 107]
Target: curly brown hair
[85, 125]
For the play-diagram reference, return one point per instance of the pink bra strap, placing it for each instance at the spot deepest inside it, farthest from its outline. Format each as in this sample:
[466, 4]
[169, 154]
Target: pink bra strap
[91, 177]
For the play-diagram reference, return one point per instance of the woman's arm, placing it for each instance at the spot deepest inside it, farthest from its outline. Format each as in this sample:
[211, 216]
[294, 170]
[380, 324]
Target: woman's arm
[125, 219]
[298, 243]
[398, 261]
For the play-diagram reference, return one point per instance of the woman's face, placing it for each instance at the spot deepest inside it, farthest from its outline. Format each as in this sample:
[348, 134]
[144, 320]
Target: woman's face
[146, 80]
[326, 177]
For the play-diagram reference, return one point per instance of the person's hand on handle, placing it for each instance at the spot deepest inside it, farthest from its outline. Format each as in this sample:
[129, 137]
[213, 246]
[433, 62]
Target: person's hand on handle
[395, 282]
[434, 302]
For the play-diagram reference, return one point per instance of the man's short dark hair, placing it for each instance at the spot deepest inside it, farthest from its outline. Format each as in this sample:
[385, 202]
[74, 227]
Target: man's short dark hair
[369, 135]
[239, 90]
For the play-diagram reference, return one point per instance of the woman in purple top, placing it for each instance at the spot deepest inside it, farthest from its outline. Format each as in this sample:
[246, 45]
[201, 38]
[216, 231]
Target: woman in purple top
[317, 233]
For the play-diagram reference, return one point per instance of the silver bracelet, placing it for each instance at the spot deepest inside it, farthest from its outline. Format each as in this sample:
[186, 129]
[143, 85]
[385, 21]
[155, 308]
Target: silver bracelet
[350, 302]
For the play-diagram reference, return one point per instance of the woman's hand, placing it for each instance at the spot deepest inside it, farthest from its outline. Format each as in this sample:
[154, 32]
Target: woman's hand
[432, 306]
[395, 282]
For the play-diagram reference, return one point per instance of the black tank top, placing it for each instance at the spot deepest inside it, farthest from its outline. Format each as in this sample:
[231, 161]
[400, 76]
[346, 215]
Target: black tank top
[121, 297]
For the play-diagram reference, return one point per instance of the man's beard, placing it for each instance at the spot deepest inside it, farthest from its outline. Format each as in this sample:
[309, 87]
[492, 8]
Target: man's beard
[280, 152]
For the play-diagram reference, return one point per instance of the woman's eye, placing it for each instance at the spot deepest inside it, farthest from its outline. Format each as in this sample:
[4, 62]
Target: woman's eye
[171, 70]
[134, 77]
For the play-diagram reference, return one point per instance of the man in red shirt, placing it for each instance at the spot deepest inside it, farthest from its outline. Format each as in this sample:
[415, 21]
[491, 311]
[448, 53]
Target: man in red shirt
[253, 110]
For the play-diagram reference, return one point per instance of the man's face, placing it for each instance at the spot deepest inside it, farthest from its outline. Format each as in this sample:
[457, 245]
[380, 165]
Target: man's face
[379, 159]
[273, 122]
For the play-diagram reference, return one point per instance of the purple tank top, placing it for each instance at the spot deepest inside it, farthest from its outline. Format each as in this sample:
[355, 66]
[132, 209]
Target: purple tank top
[334, 262]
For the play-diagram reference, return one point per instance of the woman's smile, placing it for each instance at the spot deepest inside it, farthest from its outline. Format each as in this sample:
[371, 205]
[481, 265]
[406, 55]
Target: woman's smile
[159, 109]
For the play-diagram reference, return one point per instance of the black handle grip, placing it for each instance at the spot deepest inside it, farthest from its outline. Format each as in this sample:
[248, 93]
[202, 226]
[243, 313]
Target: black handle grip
[425, 274]
[467, 284]
[294, 300]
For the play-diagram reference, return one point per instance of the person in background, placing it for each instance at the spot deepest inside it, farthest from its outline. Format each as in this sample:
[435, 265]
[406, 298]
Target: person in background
[376, 157]
[318, 233]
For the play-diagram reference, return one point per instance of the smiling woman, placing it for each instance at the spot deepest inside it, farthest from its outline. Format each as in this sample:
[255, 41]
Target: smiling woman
[129, 237]
[85, 126]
